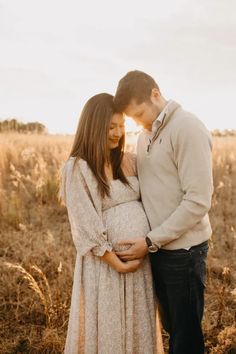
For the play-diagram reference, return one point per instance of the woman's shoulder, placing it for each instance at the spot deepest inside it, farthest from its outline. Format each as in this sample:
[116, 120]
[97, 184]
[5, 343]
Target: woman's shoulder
[76, 175]
[75, 162]
[71, 169]
[68, 165]
[77, 167]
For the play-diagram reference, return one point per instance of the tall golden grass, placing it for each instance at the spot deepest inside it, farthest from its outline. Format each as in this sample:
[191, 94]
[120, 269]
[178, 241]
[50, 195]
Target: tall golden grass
[37, 253]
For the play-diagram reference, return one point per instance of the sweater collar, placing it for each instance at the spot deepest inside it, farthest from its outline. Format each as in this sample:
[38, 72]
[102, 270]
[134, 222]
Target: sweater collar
[162, 120]
[158, 121]
[165, 115]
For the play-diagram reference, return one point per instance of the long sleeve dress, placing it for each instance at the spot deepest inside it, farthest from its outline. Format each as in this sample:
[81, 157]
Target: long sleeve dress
[111, 313]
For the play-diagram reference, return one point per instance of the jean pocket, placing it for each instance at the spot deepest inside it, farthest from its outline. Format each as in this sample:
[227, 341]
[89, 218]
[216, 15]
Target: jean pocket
[203, 276]
[200, 270]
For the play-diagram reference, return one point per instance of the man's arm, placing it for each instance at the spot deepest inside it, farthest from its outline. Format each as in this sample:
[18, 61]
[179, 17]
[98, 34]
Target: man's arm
[192, 154]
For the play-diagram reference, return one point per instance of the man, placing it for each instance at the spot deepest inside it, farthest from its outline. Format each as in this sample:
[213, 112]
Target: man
[175, 173]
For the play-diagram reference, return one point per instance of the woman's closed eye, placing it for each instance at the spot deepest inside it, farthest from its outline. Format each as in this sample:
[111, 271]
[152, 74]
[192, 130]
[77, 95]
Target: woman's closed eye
[122, 126]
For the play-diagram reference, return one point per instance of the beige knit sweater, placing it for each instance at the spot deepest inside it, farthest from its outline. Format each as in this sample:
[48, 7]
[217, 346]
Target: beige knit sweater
[175, 175]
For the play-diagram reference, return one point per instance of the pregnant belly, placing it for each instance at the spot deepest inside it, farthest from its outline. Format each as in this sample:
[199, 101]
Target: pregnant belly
[125, 221]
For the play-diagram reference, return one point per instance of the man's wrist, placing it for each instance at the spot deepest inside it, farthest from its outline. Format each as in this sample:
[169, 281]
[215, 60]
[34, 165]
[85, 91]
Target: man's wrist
[152, 247]
[146, 247]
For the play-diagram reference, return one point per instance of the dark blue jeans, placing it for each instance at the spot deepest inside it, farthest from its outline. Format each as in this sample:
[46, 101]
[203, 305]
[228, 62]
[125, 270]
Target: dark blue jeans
[179, 278]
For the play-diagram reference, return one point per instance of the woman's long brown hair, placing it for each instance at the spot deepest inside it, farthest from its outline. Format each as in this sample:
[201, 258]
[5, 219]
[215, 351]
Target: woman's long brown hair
[91, 141]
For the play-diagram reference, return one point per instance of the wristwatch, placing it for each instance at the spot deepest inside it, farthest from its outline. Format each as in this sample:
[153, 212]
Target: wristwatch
[152, 248]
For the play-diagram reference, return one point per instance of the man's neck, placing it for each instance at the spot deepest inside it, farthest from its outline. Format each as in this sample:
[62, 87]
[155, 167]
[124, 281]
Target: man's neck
[159, 108]
[161, 105]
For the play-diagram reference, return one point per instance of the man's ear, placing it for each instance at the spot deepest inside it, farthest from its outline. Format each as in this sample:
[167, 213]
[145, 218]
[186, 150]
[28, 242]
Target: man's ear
[155, 93]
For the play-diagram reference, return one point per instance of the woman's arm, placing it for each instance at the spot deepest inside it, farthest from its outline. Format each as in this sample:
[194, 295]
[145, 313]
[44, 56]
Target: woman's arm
[88, 231]
[87, 228]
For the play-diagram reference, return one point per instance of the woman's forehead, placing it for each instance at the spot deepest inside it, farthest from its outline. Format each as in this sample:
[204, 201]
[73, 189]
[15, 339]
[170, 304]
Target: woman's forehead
[117, 118]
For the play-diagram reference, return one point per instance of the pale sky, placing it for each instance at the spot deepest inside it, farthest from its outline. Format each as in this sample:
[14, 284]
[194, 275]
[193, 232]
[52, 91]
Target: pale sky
[56, 54]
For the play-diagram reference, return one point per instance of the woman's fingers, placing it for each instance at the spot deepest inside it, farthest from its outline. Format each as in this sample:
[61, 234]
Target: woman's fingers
[133, 265]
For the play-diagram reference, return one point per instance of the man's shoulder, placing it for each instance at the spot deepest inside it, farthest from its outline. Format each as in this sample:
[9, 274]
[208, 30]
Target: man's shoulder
[182, 115]
[187, 128]
[185, 120]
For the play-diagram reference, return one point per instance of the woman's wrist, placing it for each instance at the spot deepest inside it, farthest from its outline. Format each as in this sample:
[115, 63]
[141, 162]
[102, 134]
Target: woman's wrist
[114, 261]
[121, 266]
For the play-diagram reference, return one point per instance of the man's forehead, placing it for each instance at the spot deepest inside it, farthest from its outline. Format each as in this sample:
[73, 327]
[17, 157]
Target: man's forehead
[134, 107]
[134, 104]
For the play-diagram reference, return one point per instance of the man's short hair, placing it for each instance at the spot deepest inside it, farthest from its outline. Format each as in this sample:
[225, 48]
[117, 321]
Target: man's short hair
[135, 85]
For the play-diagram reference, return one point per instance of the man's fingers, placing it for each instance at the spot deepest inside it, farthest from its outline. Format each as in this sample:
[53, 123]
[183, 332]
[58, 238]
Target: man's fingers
[124, 253]
[127, 258]
[126, 242]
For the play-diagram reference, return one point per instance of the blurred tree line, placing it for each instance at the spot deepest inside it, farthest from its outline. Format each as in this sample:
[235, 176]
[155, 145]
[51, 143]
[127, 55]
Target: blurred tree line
[13, 125]
[226, 132]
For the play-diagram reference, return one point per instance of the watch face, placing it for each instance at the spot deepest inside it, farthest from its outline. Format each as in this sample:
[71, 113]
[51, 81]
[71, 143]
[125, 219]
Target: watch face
[153, 248]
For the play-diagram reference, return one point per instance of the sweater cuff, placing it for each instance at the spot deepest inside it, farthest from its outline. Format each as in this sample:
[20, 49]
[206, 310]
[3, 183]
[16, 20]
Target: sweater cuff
[152, 237]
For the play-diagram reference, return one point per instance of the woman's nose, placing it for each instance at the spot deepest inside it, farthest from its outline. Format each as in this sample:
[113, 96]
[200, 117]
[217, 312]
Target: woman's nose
[118, 132]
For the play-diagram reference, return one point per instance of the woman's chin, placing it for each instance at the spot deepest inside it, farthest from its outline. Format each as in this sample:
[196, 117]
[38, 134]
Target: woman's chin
[113, 146]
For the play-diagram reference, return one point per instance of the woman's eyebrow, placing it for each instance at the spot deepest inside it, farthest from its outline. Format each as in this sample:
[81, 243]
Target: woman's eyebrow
[118, 123]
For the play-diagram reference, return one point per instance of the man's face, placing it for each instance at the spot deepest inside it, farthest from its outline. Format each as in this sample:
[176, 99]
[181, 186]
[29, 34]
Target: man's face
[143, 114]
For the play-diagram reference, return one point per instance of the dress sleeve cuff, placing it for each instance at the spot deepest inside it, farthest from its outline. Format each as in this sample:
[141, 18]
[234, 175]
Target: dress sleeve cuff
[100, 250]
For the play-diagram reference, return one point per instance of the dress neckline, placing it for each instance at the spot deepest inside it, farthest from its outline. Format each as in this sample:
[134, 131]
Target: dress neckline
[86, 164]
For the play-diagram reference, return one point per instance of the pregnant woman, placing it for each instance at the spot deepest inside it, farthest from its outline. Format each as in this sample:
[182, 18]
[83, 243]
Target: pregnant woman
[112, 307]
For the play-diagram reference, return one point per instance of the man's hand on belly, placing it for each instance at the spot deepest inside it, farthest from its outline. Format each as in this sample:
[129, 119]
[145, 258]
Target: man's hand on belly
[138, 249]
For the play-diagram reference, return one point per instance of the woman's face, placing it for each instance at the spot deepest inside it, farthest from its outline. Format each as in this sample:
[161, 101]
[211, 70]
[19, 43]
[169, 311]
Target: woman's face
[116, 130]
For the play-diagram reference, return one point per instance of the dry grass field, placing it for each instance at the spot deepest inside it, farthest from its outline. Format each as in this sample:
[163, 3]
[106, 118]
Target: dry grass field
[37, 253]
